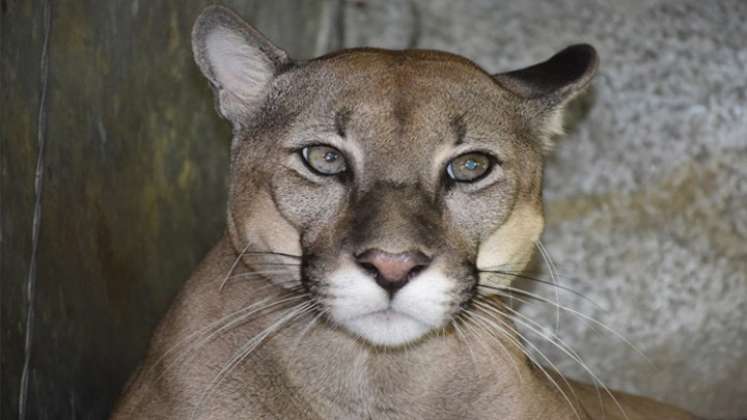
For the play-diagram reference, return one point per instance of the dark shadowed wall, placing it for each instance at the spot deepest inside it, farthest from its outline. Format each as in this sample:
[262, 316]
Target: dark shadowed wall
[133, 183]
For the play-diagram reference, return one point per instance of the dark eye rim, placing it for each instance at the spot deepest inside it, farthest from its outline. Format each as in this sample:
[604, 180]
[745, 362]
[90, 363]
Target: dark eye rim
[493, 161]
[315, 171]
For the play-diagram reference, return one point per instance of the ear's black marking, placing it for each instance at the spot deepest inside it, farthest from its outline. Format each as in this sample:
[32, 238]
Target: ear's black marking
[555, 81]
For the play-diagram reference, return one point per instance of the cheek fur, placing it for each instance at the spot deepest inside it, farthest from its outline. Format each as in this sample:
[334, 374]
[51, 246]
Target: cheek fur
[256, 224]
[510, 247]
[308, 206]
[471, 215]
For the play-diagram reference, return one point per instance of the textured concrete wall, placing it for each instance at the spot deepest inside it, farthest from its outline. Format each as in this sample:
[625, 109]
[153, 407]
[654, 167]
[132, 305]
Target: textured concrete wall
[133, 184]
[647, 196]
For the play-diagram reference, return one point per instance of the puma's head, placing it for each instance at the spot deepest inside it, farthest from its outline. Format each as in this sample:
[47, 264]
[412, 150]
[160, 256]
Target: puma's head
[398, 177]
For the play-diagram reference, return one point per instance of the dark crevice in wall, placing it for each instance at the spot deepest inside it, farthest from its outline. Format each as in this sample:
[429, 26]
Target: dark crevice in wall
[340, 23]
[3, 144]
[41, 129]
[417, 25]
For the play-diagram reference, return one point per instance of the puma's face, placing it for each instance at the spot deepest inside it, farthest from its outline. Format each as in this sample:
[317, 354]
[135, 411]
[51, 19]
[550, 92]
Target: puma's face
[398, 177]
[394, 174]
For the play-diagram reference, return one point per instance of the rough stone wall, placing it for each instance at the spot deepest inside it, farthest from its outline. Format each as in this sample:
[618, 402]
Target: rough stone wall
[646, 198]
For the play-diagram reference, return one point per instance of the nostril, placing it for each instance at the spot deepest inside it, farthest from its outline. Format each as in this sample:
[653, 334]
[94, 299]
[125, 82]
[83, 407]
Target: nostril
[416, 270]
[370, 268]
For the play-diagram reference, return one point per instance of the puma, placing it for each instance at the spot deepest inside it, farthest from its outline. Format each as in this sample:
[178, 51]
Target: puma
[381, 203]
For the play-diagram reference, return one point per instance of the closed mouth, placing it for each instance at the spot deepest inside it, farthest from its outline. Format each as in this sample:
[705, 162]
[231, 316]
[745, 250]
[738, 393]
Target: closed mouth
[387, 315]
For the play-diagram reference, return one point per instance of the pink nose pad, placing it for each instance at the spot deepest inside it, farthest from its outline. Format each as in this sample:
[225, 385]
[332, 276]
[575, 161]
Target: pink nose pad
[392, 271]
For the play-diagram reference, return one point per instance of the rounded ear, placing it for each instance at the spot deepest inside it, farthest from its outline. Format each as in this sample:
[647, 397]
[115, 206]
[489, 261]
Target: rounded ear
[238, 61]
[557, 80]
[548, 86]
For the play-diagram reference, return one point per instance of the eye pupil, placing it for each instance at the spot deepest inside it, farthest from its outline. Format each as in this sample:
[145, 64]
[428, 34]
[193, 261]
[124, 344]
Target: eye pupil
[324, 160]
[471, 165]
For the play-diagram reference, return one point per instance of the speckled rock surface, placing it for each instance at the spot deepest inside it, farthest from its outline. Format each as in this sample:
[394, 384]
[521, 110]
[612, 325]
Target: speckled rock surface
[646, 198]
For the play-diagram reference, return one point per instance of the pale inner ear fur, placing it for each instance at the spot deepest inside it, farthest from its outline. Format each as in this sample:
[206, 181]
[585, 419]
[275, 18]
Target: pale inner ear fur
[511, 246]
[239, 70]
[238, 60]
[551, 127]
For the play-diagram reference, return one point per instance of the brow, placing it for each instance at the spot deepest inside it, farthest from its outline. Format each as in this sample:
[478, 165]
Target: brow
[342, 117]
[460, 129]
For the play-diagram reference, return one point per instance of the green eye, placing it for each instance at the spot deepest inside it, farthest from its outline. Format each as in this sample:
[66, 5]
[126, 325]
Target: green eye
[469, 167]
[324, 160]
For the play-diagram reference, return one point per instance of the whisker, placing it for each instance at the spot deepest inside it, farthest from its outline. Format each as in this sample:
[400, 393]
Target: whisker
[536, 328]
[273, 253]
[465, 341]
[242, 315]
[510, 293]
[233, 266]
[500, 345]
[576, 357]
[311, 324]
[208, 287]
[248, 348]
[551, 266]
[260, 263]
[568, 351]
[576, 313]
[486, 308]
[276, 280]
[261, 273]
[218, 327]
[545, 373]
[523, 276]
[264, 253]
[526, 302]
[523, 316]
[549, 377]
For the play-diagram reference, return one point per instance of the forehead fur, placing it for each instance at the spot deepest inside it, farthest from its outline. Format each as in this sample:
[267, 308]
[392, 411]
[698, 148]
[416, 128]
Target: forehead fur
[373, 59]
[416, 72]
[396, 91]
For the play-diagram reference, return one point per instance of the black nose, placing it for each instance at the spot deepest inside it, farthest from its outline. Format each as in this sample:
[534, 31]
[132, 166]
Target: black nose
[392, 271]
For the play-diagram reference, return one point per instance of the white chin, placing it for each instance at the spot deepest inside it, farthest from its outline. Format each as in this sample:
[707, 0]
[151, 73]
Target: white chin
[387, 328]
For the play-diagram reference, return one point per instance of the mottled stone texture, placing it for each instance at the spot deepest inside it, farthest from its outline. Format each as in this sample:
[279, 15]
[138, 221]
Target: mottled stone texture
[134, 183]
[647, 196]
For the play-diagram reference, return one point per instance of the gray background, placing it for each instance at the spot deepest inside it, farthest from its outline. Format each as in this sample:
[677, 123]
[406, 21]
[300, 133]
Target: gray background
[645, 196]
